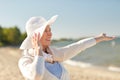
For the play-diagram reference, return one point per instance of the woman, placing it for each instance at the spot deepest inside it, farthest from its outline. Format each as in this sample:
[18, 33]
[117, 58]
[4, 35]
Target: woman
[42, 62]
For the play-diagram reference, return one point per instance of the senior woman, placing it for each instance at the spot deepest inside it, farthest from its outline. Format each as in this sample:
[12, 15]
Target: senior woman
[42, 62]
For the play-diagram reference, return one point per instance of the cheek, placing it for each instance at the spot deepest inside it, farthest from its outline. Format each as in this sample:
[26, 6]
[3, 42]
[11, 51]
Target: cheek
[42, 40]
[50, 33]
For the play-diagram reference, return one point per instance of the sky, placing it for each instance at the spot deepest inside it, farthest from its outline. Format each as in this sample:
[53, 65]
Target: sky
[77, 18]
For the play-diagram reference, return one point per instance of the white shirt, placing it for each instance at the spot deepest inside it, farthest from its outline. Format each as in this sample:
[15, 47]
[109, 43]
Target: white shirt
[33, 67]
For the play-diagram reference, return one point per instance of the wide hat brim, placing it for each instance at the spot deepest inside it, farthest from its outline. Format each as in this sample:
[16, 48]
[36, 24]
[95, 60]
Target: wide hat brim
[27, 44]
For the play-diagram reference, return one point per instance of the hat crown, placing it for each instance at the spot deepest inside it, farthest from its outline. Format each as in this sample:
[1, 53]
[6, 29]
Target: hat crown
[34, 23]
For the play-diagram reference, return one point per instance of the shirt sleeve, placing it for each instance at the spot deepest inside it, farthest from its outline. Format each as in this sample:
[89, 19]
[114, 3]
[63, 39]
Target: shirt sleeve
[32, 67]
[73, 49]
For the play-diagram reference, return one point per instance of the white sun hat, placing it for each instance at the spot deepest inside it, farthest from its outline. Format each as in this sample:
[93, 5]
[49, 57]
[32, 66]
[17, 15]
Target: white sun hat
[34, 25]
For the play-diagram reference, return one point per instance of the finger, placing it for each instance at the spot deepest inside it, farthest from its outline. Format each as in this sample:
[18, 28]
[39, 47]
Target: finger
[104, 34]
[113, 37]
[33, 38]
[39, 36]
[110, 38]
[36, 37]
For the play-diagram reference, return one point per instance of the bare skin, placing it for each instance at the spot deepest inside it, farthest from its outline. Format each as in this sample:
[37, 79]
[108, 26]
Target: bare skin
[104, 37]
[42, 42]
[45, 40]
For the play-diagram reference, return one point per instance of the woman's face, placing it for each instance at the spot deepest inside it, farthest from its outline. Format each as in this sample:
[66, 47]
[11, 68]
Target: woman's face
[46, 37]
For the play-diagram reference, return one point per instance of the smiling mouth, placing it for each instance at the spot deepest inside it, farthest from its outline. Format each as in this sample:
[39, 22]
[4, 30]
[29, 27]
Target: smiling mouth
[48, 39]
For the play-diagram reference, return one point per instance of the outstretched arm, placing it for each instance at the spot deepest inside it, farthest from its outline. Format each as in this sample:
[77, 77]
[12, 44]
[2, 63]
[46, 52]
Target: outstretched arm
[72, 50]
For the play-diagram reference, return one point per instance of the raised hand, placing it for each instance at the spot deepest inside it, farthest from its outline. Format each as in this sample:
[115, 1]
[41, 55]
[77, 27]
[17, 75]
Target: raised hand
[36, 43]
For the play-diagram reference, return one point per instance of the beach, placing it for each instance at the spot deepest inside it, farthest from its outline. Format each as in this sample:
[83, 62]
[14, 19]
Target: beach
[9, 57]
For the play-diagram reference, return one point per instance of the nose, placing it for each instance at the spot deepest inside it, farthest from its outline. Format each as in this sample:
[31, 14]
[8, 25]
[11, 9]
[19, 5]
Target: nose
[49, 33]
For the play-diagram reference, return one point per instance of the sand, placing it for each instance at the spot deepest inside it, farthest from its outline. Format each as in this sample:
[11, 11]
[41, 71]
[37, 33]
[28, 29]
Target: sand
[9, 57]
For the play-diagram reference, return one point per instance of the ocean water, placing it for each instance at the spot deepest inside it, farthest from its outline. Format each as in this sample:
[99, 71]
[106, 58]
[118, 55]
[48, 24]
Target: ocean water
[105, 54]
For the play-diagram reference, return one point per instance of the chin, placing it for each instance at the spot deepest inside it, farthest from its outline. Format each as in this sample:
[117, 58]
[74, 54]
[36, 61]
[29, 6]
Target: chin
[48, 44]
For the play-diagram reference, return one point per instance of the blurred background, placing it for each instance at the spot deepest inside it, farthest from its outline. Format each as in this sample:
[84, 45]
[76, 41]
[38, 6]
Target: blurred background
[77, 20]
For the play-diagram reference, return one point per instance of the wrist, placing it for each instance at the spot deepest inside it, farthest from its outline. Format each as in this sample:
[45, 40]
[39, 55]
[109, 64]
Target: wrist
[99, 39]
[38, 51]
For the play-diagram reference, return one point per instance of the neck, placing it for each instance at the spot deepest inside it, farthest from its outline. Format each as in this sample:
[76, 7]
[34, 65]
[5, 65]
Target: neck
[44, 48]
[47, 50]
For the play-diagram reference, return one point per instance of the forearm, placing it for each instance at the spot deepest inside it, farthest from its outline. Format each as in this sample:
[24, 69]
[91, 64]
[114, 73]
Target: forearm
[38, 51]
[39, 66]
[73, 49]
[32, 68]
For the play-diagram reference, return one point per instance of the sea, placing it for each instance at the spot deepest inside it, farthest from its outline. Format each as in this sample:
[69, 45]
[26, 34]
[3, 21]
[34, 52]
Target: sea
[104, 54]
